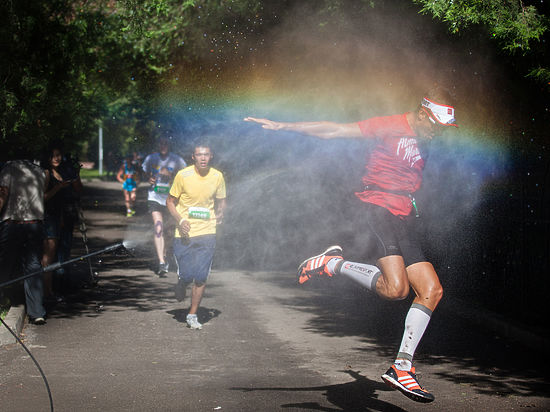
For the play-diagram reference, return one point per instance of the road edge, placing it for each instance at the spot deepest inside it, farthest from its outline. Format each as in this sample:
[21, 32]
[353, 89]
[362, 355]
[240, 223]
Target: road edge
[15, 319]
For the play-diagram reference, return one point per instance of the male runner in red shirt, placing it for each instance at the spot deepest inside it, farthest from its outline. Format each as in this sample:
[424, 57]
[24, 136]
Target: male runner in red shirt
[393, 173]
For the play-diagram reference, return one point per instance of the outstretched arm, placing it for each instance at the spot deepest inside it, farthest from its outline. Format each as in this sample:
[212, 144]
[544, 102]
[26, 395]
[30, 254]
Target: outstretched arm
[322, 129]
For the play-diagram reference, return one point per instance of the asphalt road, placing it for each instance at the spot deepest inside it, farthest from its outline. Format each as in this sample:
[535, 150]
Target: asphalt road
[267, 344]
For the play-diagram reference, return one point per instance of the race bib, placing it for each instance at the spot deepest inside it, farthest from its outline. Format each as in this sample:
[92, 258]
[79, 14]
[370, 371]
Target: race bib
[199, 213]
[162, 188]
[162, 185]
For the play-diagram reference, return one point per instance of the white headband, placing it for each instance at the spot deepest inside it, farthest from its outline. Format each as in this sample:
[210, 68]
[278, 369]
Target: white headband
[440, 113]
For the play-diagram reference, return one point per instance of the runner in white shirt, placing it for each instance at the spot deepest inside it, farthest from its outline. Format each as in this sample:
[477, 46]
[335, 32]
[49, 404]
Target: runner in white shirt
[160, 168]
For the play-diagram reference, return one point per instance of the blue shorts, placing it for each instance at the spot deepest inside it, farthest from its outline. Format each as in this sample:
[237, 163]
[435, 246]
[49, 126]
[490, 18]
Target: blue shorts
[194, 257]
[129, 185]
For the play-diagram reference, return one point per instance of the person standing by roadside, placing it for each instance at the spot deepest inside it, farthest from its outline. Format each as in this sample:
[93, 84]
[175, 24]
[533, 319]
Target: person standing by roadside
[197, 203]
[160, 169]
[21, 215]
[55, 195]
[69, 170]
[393, 173]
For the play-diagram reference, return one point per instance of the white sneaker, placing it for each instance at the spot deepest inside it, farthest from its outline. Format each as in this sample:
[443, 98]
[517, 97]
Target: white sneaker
[193, 322]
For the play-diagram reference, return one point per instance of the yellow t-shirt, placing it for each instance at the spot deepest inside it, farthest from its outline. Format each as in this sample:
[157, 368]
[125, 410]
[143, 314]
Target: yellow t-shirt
[196, 195]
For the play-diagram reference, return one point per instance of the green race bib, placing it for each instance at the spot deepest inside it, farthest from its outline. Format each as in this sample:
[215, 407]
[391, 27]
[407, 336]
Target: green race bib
[199, 213]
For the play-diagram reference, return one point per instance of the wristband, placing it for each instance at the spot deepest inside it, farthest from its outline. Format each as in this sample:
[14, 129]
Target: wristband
[181, 220]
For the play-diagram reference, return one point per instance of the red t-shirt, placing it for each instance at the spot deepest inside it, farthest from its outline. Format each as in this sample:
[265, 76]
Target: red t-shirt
[395, 163]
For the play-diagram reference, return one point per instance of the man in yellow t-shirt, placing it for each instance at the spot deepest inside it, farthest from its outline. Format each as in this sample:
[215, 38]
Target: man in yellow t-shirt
[197, 201]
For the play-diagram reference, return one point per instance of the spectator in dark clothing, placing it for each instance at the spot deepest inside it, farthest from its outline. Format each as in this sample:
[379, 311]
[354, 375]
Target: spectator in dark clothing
[21, 214]
[69, 171]
[54, 196]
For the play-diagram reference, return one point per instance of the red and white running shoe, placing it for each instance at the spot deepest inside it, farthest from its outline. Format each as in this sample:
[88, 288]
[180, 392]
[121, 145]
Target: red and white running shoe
[317, 265]
[407, 384]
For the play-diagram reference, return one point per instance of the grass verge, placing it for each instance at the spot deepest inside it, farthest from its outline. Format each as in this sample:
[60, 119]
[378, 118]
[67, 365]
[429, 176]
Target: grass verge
[89, 173]
[5, 306]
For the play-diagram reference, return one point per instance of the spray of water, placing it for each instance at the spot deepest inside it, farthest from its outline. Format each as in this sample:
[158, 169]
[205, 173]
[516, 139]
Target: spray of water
[288, 195]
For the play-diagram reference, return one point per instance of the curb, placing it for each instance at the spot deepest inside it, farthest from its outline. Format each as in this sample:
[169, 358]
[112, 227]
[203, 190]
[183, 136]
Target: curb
[15, 320]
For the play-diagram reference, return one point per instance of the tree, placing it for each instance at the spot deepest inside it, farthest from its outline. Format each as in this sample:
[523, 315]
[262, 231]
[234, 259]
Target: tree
[518, 28]
[66, 64]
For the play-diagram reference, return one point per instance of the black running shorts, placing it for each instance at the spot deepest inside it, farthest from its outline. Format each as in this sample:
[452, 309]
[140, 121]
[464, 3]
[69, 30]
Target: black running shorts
[394, 235]
[153, 206]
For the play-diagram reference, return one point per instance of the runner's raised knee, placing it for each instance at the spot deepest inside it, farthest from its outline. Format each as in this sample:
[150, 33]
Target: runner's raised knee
[395, 289]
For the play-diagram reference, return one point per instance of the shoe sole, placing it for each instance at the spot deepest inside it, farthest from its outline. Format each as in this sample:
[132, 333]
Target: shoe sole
[409, 394]
[38, 321]
[194, 327]
[330, 248]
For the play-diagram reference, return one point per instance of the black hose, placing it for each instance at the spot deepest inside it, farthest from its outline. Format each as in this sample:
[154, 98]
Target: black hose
[34, 360]
[48, 269]
[59, 264]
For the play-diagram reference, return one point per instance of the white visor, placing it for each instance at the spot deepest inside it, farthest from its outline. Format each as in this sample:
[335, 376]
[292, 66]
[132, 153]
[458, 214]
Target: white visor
[439, 113]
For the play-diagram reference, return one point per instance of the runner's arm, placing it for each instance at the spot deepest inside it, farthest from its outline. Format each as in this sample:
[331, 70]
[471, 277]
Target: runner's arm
[119, 174]
[220, 207]
[321, 129]
[183, 224]
[148, 170]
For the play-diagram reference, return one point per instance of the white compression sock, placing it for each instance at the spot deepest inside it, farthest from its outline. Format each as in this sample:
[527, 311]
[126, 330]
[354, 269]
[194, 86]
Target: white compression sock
[364, 274]
[416, 323]
[332, 263]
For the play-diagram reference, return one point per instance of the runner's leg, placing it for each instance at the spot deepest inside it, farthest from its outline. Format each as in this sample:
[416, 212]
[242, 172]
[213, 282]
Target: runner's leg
[388, 278]
[429, 291]
[196, 297]
[127, 200]
[132, 199]
[425, 283]
[159, 235]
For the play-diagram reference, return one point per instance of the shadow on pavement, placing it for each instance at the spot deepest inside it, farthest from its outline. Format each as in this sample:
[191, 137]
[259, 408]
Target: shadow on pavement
[204, 314]
[358, 395]
[116, 293]
[488, 363]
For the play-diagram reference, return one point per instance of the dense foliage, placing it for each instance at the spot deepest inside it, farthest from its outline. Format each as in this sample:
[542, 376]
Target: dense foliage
[69, 65]
[518, 27]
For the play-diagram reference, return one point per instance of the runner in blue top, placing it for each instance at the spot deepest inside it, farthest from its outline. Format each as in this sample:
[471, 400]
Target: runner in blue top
[128, 176]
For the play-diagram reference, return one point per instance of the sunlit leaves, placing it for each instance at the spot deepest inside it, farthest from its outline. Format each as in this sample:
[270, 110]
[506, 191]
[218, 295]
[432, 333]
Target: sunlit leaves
[514, 24]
